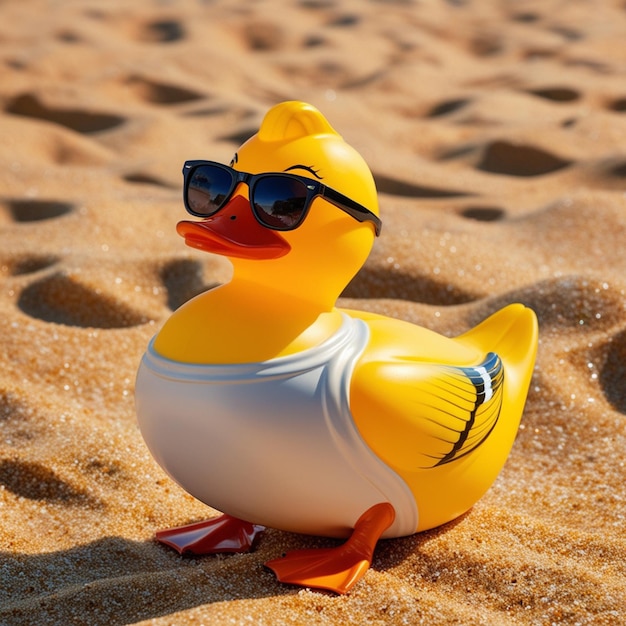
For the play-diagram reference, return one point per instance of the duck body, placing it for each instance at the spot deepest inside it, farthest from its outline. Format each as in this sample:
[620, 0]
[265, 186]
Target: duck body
[265, 401]
[282, 442]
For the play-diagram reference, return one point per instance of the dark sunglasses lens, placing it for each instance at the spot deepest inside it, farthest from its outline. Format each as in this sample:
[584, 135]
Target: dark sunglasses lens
[207, 190]
[279, 201]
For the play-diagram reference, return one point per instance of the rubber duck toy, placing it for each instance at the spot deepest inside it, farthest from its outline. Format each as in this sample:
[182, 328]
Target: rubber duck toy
[265, 401]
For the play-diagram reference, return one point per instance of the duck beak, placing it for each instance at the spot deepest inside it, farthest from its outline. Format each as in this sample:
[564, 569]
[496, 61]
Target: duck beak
[234, 232]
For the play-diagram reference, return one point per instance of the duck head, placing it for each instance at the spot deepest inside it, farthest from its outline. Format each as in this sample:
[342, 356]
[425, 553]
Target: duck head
[319, 257]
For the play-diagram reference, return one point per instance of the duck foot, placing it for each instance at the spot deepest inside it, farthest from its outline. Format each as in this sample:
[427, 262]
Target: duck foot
[219, 534]
[337, 569]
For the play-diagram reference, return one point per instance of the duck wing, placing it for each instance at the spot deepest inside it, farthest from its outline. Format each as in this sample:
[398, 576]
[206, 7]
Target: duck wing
[459, 406]
[430, 414]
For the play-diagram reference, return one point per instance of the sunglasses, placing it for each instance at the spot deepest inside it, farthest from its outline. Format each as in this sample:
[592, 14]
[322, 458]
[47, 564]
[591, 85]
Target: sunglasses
[279, 201]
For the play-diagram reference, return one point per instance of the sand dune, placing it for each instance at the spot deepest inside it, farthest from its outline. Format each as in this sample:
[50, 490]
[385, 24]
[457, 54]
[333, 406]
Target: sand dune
[496, 133]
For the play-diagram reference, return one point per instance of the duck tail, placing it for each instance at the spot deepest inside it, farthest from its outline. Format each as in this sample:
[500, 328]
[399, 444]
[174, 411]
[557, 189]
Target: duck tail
[512, 333]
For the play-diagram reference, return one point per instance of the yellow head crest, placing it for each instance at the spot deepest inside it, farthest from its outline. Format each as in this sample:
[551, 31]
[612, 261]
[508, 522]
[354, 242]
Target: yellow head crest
[292, 120]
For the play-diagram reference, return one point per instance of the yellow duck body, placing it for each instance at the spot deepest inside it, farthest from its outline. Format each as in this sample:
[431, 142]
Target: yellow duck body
[441, 413]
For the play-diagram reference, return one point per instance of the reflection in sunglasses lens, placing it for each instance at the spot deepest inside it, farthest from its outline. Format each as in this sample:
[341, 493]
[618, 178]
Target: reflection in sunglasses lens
[279, 201]
[208, 188]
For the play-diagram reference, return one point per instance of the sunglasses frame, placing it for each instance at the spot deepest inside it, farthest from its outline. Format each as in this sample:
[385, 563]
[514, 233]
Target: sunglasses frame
[313, 188]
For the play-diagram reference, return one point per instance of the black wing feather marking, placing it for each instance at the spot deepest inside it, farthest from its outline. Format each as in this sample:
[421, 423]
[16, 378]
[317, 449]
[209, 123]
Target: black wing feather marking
[475, 407]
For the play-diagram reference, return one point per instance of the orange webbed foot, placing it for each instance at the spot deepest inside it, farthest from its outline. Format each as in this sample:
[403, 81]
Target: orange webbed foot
[219, 534]
[337, 569]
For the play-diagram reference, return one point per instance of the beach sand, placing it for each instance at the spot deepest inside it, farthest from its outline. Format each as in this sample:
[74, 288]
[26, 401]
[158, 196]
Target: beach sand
[496, 132]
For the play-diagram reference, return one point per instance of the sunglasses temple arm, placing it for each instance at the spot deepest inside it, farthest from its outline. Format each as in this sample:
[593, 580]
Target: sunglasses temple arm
[357, 211]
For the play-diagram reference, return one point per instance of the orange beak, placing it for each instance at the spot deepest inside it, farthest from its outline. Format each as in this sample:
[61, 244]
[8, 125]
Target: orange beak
[234, 232]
